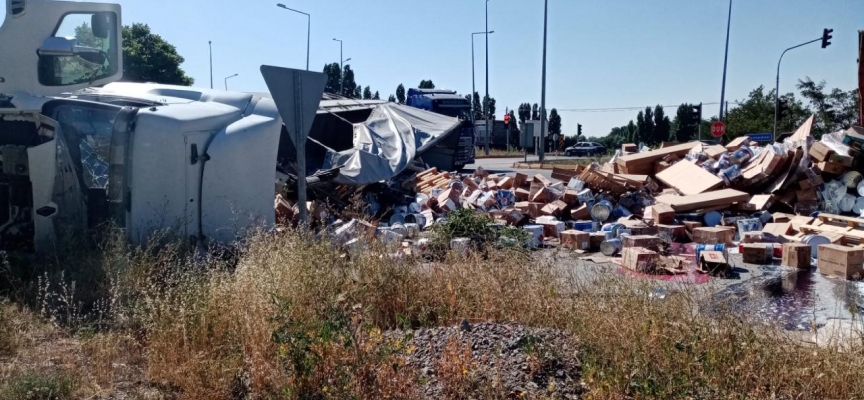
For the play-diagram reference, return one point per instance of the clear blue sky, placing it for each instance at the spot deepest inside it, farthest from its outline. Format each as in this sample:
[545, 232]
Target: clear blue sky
[612, 53]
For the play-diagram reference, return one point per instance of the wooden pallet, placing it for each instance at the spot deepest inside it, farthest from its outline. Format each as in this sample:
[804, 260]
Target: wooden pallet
[852, 222]
[424, 182]
[614, 184]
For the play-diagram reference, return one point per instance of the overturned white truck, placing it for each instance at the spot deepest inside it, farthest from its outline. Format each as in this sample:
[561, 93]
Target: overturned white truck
[79, 148]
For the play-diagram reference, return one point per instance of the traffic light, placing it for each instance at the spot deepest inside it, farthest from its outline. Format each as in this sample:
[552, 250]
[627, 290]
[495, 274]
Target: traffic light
[826, 37]
[506, 119]
[696, 115]
[782, 108]
[579, 131]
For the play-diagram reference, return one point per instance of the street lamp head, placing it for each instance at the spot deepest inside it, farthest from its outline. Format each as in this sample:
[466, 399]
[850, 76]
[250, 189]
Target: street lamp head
[491, 32]
[280, 5]
[348, 60]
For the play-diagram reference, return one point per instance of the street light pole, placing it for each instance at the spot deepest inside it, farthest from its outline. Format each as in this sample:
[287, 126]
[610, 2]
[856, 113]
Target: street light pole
[543, 90]
[487, 79]
[341, 70]
[226, 80]
[725, 61]
[210, 42]
[473, 80]
[308, 29]
[777, 88]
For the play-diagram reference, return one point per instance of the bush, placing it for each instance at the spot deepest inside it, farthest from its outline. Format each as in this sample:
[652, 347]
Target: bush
[36, 386]
[8, 333]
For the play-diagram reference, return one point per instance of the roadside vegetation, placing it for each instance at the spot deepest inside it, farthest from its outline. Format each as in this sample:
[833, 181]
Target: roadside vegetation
[292, 316]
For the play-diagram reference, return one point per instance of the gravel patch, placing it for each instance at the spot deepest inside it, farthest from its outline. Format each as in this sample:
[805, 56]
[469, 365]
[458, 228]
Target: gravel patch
[490, 360]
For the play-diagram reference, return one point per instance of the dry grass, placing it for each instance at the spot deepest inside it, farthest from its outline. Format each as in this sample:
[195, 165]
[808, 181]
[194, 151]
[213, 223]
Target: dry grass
[297, 318]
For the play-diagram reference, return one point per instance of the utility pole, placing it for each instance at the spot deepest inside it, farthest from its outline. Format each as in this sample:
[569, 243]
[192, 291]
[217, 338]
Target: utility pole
[473, 80]
[226, 81]
[725, 62]
[826, 36]
[341, 70]
[308, 29]
[210, 42]
[487, 80]
[543, 91]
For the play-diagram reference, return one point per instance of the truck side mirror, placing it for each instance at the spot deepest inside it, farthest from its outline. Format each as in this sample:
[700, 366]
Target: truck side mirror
[102, 23]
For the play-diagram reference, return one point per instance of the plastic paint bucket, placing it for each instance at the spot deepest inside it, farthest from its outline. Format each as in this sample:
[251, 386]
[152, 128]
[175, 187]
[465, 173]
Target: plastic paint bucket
[413, 229]
[583, 226]
[852, 179]
[397, 219]
[741, 156]
[612, 247]
[400, 229]
[846, 203]
[713, 219]
[709, 247]
[858, 208]
[601, 211]
[730, 174]
[814, 241]
[421, 199]
[536, 232]
[418, 219]
[621, 211]
[613, 228]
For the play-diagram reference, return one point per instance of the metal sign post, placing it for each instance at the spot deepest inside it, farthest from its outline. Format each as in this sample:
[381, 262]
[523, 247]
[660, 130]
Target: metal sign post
[297, 94]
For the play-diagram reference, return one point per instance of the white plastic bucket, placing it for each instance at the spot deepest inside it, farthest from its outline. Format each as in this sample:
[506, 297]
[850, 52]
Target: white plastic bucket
[814, 241]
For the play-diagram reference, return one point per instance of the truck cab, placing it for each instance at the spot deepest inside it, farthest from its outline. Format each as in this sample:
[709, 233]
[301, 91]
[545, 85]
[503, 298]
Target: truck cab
[455, 153]
[80, 149]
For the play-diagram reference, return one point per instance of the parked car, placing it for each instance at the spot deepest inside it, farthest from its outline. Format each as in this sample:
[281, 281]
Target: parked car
[585, 149]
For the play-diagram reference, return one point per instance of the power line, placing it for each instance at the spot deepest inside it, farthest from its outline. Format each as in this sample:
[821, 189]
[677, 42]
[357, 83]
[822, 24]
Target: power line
[619, 109]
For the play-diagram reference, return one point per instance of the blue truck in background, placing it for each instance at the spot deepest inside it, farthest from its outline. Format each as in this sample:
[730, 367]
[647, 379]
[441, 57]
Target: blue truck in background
[453, 153]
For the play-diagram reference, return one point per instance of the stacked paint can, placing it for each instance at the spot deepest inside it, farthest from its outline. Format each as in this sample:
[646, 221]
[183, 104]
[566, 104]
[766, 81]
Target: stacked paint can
[709, 247]
[602, 210]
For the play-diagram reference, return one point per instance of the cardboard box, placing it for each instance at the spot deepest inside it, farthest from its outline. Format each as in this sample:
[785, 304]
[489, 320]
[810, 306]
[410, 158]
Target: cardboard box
[714, 263]
[552, 228]
[841, 261]
[637, 227]
[736, 143]
[597, 238]
[717, 235]
[820, 151]
[639, 259]
[660, 214]
[831, 168]
[797, 255]
[757, 253]
[581, 213]
[691, 225]
[576, 240]
[688, 178]
[854, 138]
[519, 180]
[506, 183]
[777, 228]
[570, 197]
[645, 241]
[629, 148]
[808, 194]
[675, 233]
[523, 194]
[757, 203]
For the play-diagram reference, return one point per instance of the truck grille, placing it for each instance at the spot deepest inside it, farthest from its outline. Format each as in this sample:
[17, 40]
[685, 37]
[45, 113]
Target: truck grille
[17, 7]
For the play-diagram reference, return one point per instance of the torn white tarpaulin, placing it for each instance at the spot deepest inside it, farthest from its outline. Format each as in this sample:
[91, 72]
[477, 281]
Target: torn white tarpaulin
[388, 141]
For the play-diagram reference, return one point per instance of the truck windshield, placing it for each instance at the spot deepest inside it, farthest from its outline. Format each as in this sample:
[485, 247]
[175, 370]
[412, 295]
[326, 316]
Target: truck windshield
[88, 132]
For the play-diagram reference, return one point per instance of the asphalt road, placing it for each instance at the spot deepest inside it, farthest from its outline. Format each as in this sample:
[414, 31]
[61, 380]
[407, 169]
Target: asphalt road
[505, 165]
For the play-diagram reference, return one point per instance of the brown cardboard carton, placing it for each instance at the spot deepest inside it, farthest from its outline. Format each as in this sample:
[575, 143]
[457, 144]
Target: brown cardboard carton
[777, 229]
[797, 255]
[841, 261]
[519, 180]
[639, 259]
[576, 240]
[820, 152]
[808, 194]
[646, 241]
[660, 214]
[675, 233]
[831, 168]
[715, 235]
[757, 203]
[691, 225]
[597, 238]
[570, 197]
[688, 178]
[523, 194]
[713, 263]
[552, 228]
[757, 253]
[581, 213]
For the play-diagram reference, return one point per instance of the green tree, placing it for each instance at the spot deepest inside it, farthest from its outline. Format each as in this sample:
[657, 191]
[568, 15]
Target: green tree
[524, 112]
[662, 125]
[350, 87]
[632, 132]
[488, 107]
[334, 75]
[535, 112]
[834, 110]
[376, 96]
[554, 122]
[400, 94]
[367, 93]
[147, 57]
[683, 130]
[424, 84]
[478, 109]
[755, 114]
[391, 99]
